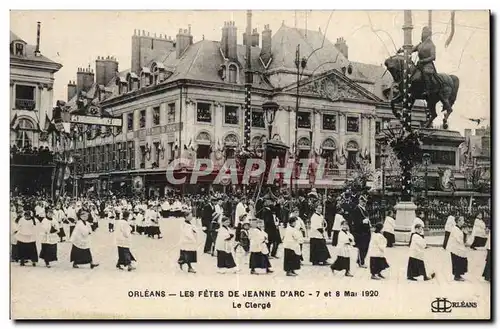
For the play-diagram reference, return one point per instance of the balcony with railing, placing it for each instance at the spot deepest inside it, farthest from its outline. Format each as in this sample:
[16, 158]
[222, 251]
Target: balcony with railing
[25, 104]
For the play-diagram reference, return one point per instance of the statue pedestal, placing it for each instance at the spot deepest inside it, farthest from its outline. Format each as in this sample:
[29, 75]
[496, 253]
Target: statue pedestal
[405, 215]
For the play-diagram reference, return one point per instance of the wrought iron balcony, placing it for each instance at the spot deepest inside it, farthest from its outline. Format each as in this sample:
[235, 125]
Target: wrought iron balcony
[25, 104]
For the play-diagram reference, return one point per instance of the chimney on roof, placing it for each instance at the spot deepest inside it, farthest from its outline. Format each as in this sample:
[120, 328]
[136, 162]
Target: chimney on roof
[84, 79]
[37, 49]
[255, 38]
[341, 46]
[229, 42]
[265, 52]
[182, 41]
[71, 90]
[105, 69]
[146, 49]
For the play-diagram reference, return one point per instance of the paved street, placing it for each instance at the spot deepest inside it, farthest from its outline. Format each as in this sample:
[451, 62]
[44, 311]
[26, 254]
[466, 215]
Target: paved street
[64, 292]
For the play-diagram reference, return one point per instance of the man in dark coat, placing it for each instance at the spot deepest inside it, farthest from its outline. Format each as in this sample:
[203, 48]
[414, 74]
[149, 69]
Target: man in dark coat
[271, 228]
[361, 229]
[206, 222]
[329, 214]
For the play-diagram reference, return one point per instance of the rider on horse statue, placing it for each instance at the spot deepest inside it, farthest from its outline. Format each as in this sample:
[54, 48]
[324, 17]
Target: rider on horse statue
[426, 57]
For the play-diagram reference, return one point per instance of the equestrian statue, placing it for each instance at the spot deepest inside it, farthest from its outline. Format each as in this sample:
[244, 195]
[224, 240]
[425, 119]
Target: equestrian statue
[426, 83]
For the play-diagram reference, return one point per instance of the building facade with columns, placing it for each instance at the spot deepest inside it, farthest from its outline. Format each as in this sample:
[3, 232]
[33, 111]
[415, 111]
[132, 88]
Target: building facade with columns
[186, 99]
[31, 93]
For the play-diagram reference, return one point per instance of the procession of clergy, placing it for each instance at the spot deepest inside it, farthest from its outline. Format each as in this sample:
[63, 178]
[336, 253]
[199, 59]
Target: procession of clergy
[254, 232]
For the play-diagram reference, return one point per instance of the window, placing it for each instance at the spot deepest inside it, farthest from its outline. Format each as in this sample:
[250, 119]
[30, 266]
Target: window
[157, 153]
[353, 124]
[258, 119]
[329, 122]
[19, 49]
[98, 158]
[378, 127]
[105, 157]
[171, 151]
[102, 159]
[233, 73]
[203, 113]
[24, 136]
[156, 116]
[231, 115]
[131, 155]
[230, 152]
[352, 155]
[118, 130]
[304, 119]
[142, 119]
[171, 113]
[142, 156]
[25, 97]
[130, 121]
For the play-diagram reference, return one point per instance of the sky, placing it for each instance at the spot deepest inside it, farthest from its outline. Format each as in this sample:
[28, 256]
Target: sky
[76, 38]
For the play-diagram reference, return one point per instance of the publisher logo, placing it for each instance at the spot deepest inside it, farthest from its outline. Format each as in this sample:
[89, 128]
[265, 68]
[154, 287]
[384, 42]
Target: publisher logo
[443, 305]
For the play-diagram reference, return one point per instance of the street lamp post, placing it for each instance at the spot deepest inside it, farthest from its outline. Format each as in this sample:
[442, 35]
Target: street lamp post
[270, 109]
[427, 160]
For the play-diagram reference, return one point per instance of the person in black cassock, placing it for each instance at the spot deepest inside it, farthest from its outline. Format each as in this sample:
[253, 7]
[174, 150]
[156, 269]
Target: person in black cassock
[271, 228]
[457, 249]
[318, 252]
[206, 223]
[361, 230]
[330, 206]
[487, 265]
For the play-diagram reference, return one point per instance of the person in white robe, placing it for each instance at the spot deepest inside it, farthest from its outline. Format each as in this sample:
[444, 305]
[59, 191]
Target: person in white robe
[478, 234]
[71, 217]
[448, 226]
[259, 252]
[376, 250]
[292, 247]
[139, 221]
[388, 229]
[26, 238]
[188, 243]
[319, 253]
[14, 215]
[241, 210]
[337, 225]
[224, 247]
[149, 217]
[416, 264]
[154, 229]
[458, 251]
[80, 239]
[344, 247]
[111, 219]
[123, 233]
[49, 238]
[416, 221]
[165, 209]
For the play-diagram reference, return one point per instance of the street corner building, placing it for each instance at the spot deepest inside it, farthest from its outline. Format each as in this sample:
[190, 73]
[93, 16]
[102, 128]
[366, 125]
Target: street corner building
[31, 105]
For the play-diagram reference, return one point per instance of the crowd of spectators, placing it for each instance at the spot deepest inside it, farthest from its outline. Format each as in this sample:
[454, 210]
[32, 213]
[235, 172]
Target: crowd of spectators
[31, 156]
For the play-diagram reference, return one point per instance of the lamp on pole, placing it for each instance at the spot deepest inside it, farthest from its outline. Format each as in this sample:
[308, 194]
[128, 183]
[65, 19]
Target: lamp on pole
[426, 157]
[270, 109]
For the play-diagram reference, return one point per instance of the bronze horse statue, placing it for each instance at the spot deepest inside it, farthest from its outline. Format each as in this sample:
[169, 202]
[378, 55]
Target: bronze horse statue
[444, 89]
